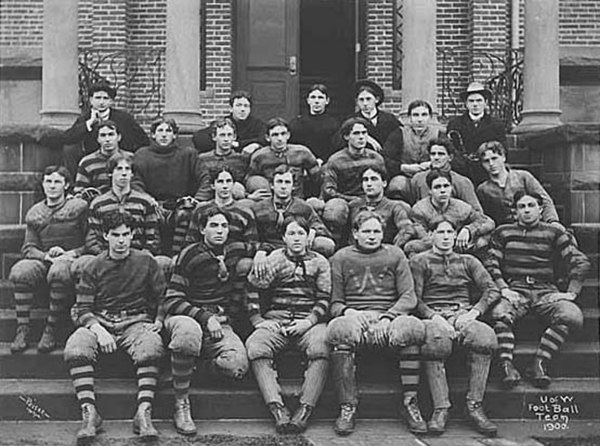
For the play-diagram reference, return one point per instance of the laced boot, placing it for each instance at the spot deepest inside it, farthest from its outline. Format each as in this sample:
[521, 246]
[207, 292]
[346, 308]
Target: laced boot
[19, 344]
[437, 423]
[476, 414]
[512, 377]
[182, 417]
[345, 422]
[142, 423]
[48, 340]
[538, 373]
[300, 418]
[90, 424]
[281, 414]
[412, 414]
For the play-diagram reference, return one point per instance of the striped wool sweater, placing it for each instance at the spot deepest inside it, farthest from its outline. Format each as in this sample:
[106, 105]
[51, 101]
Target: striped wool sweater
[301, 160]
[134, 284]
[64, 225]
[442, 279]
[195, 288]
[398, 227]
[379, 281]
[269, 233]
[517, 251]
[342, 174]
[300, 285]
[92, 172]
[242, 225]
[143, 209]
[210, 163]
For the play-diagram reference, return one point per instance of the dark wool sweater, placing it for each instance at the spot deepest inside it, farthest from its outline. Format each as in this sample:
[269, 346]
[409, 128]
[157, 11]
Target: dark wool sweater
[315, 132]
[251, 130]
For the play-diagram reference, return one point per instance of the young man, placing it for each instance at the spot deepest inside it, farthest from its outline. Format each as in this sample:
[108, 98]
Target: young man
[278, 152]
[498, 191]
[54, 237]
[250, 131]
[372, 295]
[475, 228]
[270, 215]
[405, 150]
[294, 313]
[342, 180]
[171, 174]
[316, 129]
[453, 291]
[522, 261]
[242, 224]
[92, 176]
[223, 155]
[441, 154]
[397, 226]
[118, 307]
[203, 304]
[82, 138]
[474, 127]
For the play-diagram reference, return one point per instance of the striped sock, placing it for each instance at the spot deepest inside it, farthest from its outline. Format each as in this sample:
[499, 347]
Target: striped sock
[410, 366]
[182, 367]
[506, 340]
[147, 377]
[551, 341]
[23, 302]
[181, 221]
[83, 382]
[59, 301]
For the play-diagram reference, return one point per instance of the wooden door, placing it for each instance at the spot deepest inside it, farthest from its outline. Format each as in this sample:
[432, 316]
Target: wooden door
[267, 55]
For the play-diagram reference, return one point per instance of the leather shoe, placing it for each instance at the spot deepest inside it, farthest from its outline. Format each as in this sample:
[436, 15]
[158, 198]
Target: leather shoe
[345, 422]
[281, 414]
[300, 418]
[90, 424]
[538, 373]
[48, 341]
[476, 414]
[21, 339]
[412, 414]
[182, 417]
[512, 377]
[142, 423]
[437, 423]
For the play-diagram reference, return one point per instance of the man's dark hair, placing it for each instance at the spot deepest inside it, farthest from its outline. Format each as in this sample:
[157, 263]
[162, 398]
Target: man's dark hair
[170, 122]
[444, 142]
[102, 86]
[318, 87]
[210, 213]
[495, 146]
[364, 216]
[523, 193]
[438, 220]
[274, 122]
[61, 170]
[116, 158]
[108, 123]
[349, 123]
[114, 219]
[281, 170]
[219, 124]
[419, 103]
[435, 174]
[218, 172]
[379, 170]
[299, 220]
[240, 94]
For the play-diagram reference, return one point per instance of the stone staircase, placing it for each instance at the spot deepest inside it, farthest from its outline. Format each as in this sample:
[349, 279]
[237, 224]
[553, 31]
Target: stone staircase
[37, 386]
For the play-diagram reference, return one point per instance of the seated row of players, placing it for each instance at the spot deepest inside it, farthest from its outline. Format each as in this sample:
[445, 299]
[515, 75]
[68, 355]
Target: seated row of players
[370, 291]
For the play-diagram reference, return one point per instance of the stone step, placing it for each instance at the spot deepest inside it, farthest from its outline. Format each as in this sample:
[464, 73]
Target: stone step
[55, 400]
[576, 359]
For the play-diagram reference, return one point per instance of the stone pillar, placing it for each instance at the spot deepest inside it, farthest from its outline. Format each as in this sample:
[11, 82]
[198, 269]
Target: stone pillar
[59, 64]
[541, 101]
[182, 89]
[418, 52]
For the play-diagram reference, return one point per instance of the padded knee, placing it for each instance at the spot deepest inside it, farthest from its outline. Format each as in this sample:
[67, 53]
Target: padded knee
[232, 363]
[438, 341]
[257, 345]
[406, 330]
[317, 347]
[59, 273]
[81, 347]
[243, 267]
[568, 314]
[79, 265]
[186, 335]
[27, 274]
[148, 349]
[479, 338]
[344, 330]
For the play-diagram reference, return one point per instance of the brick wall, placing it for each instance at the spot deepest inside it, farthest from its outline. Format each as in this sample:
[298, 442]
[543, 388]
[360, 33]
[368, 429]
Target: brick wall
[21, 23]
[579, 22]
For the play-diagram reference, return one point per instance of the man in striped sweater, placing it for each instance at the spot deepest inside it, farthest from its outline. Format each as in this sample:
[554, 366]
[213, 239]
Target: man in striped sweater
[372, 295]
[118, 306]
[522, 262]
[204, 308]
[296, 292]
[92, 176]
[453, 291]
[342, 175]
